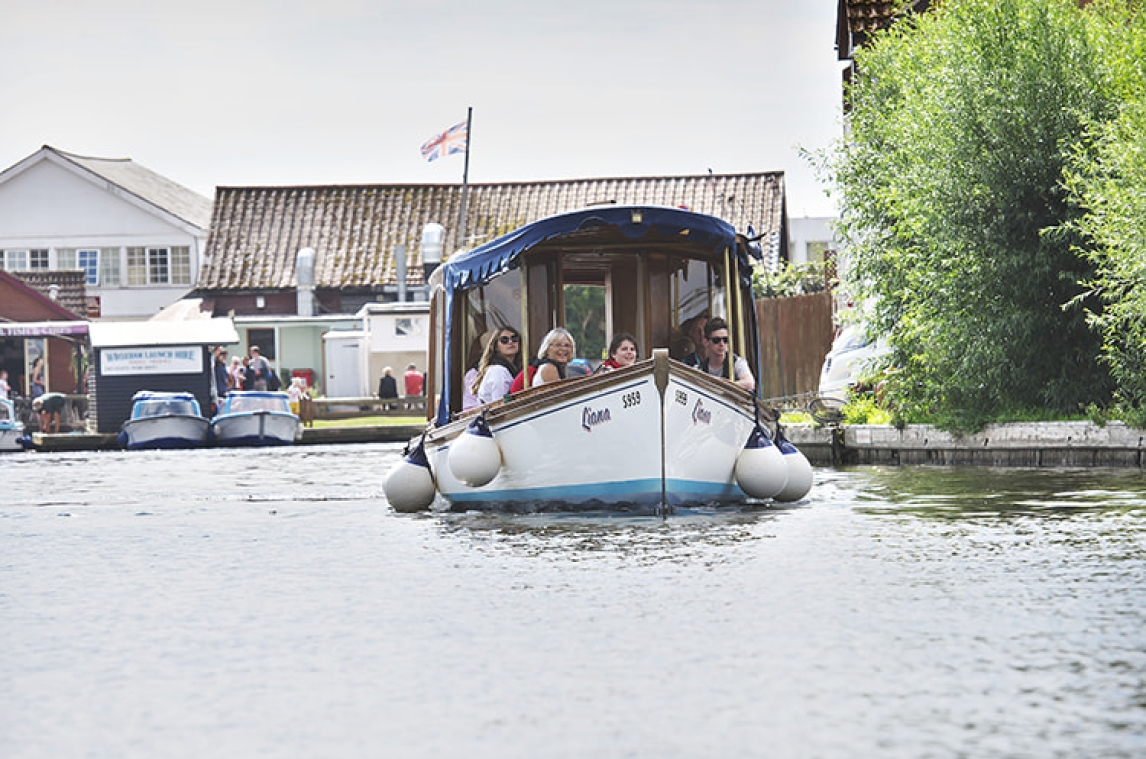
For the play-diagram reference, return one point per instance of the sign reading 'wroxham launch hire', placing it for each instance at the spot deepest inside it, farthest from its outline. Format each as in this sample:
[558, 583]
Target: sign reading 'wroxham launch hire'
[158, 360]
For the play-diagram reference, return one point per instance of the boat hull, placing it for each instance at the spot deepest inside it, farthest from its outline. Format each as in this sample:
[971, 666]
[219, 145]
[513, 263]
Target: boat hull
[600, 442]
[10, 438]
[165, 432]
[256, 428]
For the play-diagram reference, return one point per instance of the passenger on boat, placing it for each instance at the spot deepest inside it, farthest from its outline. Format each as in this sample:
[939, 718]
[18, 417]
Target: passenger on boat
[622, 352]
[557, 350]
[694, 338]
[716, 348]
[500, 361]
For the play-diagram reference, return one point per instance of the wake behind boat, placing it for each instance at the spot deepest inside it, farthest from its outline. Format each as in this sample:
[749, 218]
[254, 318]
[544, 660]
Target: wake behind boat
[164, 420]
[655, 434]
[254, 417]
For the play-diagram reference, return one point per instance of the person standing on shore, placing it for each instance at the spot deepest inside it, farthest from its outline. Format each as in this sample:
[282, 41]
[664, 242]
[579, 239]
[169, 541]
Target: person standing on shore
[260, 368]
[414, 382]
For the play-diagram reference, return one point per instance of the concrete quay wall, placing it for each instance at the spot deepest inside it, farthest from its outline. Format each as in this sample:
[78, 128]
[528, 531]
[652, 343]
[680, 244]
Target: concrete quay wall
[1023, 444]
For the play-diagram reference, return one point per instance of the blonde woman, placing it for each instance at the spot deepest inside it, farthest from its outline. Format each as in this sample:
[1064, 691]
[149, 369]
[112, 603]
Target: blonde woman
[500, 362]
[556, 351]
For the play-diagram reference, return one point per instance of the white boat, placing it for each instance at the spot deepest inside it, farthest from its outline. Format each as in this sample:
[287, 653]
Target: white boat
[11, 428]
[657, 434]
[164, 420]
[255, 417]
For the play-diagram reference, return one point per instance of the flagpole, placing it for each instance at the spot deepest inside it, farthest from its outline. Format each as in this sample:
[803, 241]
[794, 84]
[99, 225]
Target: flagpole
[465, 182]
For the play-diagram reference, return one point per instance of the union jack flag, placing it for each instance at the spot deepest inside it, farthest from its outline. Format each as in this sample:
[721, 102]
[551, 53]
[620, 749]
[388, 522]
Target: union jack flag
[453, 140]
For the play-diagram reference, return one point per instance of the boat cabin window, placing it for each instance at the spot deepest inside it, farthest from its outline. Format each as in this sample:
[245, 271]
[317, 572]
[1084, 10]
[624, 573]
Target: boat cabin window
[165, 407]
[483, 309]
[586, 319]
[243, 403]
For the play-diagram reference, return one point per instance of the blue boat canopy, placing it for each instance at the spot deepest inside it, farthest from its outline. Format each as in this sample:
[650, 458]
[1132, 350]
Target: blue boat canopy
[478, 266]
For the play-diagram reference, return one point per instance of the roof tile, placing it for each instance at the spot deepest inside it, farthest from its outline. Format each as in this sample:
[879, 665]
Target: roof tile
[257, 231]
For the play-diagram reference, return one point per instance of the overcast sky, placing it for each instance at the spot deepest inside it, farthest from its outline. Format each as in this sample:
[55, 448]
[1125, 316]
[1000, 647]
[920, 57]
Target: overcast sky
[285, 92]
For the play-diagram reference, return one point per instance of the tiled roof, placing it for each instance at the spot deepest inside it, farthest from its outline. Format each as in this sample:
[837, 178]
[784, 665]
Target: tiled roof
[865, 17]
[144, 183]
[72, 295]
[256, 231]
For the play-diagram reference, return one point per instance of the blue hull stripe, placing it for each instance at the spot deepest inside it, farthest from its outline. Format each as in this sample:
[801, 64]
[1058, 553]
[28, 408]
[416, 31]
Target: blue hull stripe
[647, 491]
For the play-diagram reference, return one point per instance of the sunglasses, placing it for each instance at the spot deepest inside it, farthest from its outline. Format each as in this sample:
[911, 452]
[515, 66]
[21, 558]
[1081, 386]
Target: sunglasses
[718, 339]
[507, 339]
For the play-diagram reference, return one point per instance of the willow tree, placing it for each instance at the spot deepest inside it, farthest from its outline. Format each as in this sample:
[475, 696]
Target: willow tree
[955, 212]
[1110, 183]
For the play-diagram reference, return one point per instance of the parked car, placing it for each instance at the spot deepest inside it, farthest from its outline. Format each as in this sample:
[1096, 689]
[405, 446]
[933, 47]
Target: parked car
[852, 355]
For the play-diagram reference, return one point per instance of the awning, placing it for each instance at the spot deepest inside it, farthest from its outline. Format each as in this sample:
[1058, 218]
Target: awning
[191, 332]
[42, 329]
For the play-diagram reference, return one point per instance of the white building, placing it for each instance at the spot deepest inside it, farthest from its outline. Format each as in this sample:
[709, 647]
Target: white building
[138, 236]
[809, 238]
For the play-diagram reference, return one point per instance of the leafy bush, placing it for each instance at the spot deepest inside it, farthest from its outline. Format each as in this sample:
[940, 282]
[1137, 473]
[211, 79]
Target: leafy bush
[958, 223]
[789, 280]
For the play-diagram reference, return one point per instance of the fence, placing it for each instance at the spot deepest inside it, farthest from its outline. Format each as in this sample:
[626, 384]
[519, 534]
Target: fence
[795, 335]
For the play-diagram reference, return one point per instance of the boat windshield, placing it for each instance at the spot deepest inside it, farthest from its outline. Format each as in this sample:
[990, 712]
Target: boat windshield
[6, 413]
[165, 407]
[246, 403]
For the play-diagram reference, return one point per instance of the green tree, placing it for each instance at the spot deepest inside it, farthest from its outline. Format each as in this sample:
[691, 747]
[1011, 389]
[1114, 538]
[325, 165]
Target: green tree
[955, 212]
[1110, 182]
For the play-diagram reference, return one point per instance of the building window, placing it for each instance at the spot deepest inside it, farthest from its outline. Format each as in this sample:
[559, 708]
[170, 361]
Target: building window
[158, 272]
[265, 339]
[38, 259]
[136, 267]
[66, 259]
[15, 260]
[407, 326]
[159, 266]
[88, 260]
[181, 265]
[109, 267]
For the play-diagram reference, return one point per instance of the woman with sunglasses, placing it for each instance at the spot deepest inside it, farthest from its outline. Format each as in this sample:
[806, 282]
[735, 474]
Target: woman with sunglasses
[500, 362]
[716, 359]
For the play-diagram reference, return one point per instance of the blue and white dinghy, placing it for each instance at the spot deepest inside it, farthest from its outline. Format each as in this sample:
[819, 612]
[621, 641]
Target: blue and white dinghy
[164, 420]
[655, 435]
[255, 417]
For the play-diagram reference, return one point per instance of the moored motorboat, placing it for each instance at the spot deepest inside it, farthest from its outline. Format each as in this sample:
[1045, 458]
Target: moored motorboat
[164, 420]
[12, 436]
[657, 434]
[255, 417]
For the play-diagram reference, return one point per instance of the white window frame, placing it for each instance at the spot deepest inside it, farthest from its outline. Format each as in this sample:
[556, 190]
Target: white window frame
[15, 260]
[92, 270]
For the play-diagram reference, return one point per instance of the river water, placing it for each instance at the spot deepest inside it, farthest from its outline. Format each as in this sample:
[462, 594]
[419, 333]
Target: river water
[268, 603]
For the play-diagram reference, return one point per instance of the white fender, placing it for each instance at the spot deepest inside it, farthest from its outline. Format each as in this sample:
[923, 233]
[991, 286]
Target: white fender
[799, 472]
[474, 456]
[410, 484]
[761, 471]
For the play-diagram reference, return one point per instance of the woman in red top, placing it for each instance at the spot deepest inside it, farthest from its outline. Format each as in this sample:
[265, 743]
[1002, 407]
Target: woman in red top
[622, 352]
